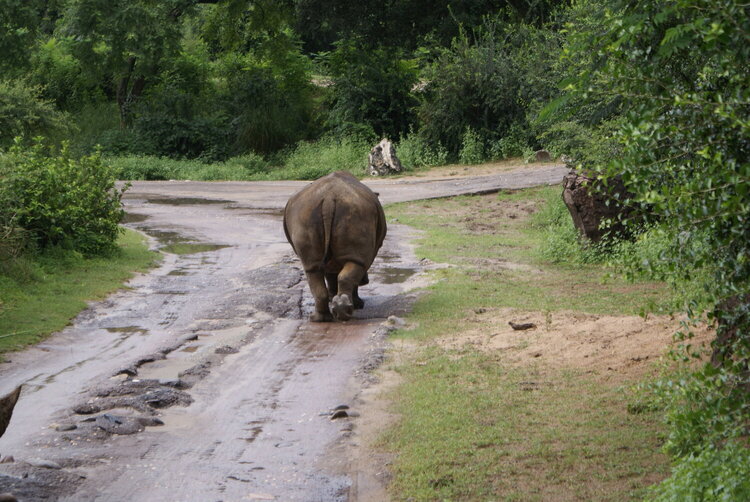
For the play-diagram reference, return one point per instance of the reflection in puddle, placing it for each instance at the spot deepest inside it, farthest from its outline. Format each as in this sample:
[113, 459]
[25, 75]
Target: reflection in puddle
[128, 330]
[394, 275]
[186, 201]
[191, 248]
[190, 348]
[133, 218]
[175, 243]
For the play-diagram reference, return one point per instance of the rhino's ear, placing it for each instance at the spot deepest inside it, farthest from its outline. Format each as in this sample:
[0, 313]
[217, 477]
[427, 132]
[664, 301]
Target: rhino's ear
[377, 194]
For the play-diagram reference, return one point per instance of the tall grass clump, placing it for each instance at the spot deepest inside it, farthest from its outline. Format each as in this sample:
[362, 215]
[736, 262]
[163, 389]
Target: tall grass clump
[414, 152]
[310, 161]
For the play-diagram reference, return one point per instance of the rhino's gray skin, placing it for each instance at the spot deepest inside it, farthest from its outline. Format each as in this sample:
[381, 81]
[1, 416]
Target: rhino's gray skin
[336, 226]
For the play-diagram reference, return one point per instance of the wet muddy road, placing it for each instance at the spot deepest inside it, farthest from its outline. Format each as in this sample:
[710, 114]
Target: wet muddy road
[203, 380]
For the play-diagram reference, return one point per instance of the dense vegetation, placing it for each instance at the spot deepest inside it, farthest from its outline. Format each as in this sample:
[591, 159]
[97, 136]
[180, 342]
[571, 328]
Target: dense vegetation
[653, 91]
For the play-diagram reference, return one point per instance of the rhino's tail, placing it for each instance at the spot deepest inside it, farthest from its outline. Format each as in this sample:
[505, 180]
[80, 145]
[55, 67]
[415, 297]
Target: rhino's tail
[328, 211]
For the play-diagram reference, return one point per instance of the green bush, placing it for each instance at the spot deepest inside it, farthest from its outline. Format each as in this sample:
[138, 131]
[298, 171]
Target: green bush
[62, 201]
[716, 474]
[472, 148]
[473, 84]
[310, 161]
[372, 86]
[60, 75]
[24, 113]
[414, 152]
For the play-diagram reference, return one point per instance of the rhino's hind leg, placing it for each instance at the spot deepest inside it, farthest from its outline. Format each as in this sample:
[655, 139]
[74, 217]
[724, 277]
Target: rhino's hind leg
[317, 283]
[332, 280]
[359, 303]
[349, 278]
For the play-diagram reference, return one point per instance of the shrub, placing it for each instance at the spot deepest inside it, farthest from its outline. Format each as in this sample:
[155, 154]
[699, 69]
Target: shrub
[414, 152]
[309, 161]
[714, 474]
[63, 201]
[474, 84]
[24, 113]
[60, 75]
[472, 148]
[372, 86]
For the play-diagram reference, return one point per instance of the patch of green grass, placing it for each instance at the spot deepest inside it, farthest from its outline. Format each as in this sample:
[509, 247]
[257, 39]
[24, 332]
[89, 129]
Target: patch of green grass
[307, 161]
[472, 426]
[473, 429]
[493, 243]
[45, 292]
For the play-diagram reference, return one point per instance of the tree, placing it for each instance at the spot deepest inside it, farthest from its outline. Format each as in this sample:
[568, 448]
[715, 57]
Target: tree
[680, 67]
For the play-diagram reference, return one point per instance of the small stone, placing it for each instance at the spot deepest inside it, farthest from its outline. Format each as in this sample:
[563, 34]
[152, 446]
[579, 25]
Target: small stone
[86, 409]
[45, 464]
[480, 311]
[339, 414]
[7, 460]
[521, 326]
[66, 427]
[226, 349]
[129, 371]
[394, 322]
[115, 424]
[150, 421]
[7, 497]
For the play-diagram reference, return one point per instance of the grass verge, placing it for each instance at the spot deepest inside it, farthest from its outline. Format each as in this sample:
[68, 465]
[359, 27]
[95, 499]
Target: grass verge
[45, 292]
[477, 424]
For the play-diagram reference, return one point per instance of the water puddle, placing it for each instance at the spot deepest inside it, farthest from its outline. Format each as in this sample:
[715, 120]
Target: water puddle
[190, 348]
[394, 275]
[186, 201]
[133, 218]
[176, 243]
[128, 330]
[192, 248]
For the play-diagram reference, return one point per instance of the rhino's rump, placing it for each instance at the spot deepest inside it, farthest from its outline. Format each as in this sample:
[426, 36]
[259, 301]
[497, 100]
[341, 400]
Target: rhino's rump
[334, 220]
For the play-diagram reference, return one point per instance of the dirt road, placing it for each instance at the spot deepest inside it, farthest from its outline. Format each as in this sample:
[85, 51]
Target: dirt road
[203, 380]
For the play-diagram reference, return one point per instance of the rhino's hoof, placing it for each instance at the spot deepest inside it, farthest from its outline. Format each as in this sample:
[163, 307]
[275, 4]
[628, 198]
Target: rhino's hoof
[342, 307]
[321, 317]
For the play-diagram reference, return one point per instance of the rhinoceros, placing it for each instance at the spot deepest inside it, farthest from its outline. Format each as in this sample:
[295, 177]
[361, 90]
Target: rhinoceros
[336, 226]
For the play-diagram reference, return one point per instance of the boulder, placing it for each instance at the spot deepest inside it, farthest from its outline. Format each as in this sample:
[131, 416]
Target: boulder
[382, 159]
[590, 203]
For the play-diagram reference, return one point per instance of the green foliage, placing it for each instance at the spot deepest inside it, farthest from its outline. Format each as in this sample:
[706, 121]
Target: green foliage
[472, 148]
[144, 167]
[415, 152]
[372, 86]
[474, 84]
[62, 201]
[310, 161]
[19, 21]
[716, 474]
[60, 75]
[23, 112]
[685, 154]
[269, 100]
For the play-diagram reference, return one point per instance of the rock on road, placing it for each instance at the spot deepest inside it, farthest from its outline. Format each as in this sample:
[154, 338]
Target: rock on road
[203, 380]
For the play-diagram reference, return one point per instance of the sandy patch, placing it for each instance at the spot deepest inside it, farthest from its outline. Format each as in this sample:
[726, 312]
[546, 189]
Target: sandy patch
[604, 345]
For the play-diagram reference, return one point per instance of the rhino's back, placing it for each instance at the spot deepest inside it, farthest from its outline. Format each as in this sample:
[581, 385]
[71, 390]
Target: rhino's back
[355, 217]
